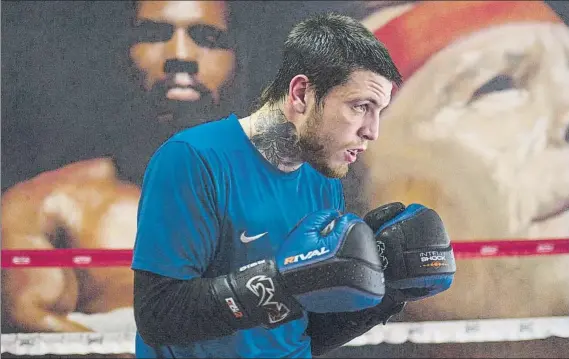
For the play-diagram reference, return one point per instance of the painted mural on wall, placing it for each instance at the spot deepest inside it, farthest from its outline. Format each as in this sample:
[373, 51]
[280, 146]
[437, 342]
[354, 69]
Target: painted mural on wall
[478, 131]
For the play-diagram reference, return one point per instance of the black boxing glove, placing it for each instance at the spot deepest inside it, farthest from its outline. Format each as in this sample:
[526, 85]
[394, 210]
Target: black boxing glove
[415, 249]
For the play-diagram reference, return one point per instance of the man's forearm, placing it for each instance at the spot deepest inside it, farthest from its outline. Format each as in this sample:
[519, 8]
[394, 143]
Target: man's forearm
[176, 312]
[170, 311]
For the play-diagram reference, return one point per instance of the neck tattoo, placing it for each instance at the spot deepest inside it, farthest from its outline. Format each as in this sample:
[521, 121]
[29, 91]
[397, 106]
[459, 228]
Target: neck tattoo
[277, 140]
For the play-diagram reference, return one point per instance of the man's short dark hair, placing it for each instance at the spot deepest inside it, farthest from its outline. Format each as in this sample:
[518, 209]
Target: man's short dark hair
[328, 48]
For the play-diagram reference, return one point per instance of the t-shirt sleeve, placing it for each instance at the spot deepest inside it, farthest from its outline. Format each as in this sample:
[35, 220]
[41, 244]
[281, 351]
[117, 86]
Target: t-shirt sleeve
[178, 226]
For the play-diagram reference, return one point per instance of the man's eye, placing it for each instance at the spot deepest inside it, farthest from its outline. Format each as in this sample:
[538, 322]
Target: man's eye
[208, 36]
[361, 108]
[149, 31]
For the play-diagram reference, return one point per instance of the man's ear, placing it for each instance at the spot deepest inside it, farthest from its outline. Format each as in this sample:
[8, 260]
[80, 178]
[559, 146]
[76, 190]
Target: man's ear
[298, 91]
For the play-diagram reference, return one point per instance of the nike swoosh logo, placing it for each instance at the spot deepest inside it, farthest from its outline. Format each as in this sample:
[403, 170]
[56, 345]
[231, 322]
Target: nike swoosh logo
[246, 239]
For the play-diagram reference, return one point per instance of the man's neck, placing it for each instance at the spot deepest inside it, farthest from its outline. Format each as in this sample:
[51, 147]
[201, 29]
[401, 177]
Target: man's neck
[275, 137]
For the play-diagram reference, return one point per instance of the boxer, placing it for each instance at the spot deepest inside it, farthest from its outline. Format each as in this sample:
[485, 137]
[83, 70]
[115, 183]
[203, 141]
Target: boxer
[242, 235]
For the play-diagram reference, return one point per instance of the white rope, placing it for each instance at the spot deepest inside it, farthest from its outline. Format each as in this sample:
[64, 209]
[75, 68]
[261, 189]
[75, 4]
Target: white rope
[487, 330]
[464, 331]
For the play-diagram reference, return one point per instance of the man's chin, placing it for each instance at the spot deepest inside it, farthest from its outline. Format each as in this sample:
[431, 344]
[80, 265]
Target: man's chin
[177, 109]
[183, 113]
[331, 171]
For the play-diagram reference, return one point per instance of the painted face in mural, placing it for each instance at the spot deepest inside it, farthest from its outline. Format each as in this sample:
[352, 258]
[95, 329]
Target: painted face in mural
[183, 51]
[487, 119]
[479, 131]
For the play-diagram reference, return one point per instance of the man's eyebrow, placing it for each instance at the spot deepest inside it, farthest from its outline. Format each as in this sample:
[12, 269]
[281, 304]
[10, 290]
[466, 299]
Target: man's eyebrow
[369, 99]
[382, 105]
[150, 22]
[209, 27]
[374, 101]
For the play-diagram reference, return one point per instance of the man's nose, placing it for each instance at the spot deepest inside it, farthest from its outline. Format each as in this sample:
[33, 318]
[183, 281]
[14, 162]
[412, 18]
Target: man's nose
[370, 129]
[181, 46]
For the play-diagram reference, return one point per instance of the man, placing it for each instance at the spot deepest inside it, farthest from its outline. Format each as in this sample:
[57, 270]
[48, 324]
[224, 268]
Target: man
[242, 247]
[178, 47]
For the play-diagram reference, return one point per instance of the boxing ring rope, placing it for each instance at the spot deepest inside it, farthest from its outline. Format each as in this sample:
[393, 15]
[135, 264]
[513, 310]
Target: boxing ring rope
[456, 331]
[78, 257]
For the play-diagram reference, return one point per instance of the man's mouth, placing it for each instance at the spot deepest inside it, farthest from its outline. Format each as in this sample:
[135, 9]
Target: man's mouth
[351, 155]
[182, 87]
[182, 94]
[561, 208]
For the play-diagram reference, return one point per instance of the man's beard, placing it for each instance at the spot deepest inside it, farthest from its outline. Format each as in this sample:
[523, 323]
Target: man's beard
[182, 114]
[149, 120]
[316, 152]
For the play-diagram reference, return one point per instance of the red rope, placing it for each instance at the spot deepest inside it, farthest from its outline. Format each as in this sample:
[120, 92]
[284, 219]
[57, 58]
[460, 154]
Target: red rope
[20, 258]
[80, 257]
[511, 248]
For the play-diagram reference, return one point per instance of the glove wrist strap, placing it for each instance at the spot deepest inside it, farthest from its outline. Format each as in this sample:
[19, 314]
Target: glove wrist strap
[255, 296]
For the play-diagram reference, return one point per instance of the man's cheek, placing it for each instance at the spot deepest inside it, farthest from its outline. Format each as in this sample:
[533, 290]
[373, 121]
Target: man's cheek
[147, 57]
[216, 67]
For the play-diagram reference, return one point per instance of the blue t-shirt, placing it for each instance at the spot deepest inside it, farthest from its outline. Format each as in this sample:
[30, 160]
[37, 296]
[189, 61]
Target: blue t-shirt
[206, 193]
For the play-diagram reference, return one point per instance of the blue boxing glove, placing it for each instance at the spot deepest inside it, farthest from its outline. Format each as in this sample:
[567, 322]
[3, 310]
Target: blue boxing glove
[327, 263]
[415, 249]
